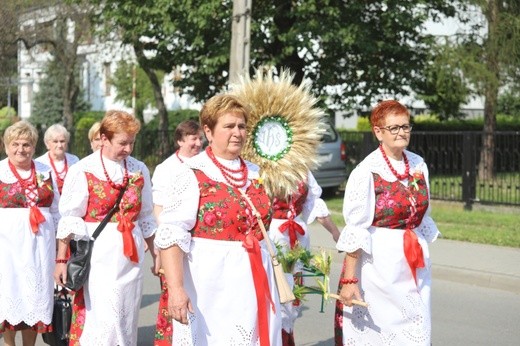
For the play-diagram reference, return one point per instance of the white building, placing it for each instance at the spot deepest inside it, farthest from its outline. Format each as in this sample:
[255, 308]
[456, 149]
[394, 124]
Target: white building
[97, 61]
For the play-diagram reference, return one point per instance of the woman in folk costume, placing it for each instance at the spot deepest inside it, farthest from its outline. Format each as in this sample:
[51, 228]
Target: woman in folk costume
[56, 140]
[29, 212]
[388, 228]
[105, 309]
[287, 130]
[188, 138]
[219, 275]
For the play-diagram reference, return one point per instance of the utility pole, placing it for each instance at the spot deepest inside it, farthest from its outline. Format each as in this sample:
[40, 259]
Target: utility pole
[240, 39]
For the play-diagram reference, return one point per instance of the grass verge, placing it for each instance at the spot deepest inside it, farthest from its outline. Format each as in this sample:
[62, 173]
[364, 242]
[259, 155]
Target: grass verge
[494, 226]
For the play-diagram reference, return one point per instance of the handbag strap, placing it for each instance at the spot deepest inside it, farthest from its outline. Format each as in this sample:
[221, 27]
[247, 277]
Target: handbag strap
[261, 224]
[109, 215]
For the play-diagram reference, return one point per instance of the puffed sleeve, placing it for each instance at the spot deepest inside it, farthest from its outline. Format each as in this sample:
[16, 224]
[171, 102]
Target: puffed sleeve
[358, 211]
[312, 208]
[73, 204]
[179, 213]
[146, 219]
[159, 178]
[427, 228]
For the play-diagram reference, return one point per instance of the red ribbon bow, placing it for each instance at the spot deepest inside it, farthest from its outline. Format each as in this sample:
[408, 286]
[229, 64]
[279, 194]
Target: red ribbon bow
[413, 252]
[292, 227]
[35, 217]
[126, 226]
[263, 294]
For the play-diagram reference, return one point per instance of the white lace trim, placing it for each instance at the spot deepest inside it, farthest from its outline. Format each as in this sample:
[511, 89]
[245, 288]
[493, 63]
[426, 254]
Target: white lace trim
[169, 235]
[160, 174]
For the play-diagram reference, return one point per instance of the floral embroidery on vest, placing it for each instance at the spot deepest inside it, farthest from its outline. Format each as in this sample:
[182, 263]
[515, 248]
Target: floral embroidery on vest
[13, 196]
[294, 203]
[102, 197]
[224, 214]
[399, 206]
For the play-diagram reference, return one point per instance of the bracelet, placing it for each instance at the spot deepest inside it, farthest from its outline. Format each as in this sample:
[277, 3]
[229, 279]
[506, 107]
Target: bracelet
[344, 281]
[61, 260]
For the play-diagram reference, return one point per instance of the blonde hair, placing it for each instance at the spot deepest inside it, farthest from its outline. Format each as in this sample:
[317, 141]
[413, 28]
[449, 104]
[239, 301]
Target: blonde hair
[117, 122]
[218, 105]
[21, 129]
[94, 130]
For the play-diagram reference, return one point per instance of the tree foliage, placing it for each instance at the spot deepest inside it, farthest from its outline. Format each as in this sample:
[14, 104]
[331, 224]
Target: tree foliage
[46, 24]
[145, 26]
[443, 87]
[123, 80]
[491, 61]
[354, 51]
[48, 102]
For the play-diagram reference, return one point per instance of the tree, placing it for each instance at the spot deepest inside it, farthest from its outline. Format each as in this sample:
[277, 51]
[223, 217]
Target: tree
[123, 80]
[491, 60]
[443, 87]
[509, 103]
[9, 32]
[53, 26]
[354, 51]
[146, 26]
[48, 102]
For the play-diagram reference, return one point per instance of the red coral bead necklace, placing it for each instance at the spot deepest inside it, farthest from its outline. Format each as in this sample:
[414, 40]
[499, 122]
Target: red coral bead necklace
[227, 173]
[28, 183]
[392, 169]
[114, 185]
[63, 172]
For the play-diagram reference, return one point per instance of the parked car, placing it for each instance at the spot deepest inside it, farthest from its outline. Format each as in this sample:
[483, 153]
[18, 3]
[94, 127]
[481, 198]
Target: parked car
[332, 170]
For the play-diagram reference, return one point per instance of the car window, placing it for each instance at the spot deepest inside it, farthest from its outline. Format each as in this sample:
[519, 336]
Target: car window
[330, 134]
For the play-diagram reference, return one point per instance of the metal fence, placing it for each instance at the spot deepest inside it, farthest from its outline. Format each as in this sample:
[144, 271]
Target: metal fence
[453, 160]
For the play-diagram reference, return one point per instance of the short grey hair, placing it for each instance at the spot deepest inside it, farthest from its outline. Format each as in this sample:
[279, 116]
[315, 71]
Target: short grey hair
[55, 130]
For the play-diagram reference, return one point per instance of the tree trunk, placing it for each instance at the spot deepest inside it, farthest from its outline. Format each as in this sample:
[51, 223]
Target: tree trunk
[164, 143]
[486, 163]
[70, 95]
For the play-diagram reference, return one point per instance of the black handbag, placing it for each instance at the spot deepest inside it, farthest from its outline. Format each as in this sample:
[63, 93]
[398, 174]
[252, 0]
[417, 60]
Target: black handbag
[78, 265]
[61, 317]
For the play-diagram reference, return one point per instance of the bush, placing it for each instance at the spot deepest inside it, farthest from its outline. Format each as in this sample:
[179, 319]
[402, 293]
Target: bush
[432, 123]
[7, 117]
[79, 139]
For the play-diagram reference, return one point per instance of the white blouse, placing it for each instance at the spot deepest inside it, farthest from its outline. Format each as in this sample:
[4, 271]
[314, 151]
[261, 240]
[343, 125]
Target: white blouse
[359, 202]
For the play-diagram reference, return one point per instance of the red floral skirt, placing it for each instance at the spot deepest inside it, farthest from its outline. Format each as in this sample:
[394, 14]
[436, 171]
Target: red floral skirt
[163, 326]
[78, 318]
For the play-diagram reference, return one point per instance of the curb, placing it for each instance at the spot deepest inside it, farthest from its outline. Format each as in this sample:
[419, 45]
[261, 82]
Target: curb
[477, 278]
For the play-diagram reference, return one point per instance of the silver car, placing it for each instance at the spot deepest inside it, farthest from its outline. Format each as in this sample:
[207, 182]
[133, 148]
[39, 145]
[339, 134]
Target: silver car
[332, 171]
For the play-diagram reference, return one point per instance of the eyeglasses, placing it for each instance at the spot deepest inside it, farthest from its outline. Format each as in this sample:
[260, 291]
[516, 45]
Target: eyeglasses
[394, 129]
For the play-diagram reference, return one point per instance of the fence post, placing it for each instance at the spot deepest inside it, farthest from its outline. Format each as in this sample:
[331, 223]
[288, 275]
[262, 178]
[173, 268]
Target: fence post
[469, 180]
[368, 145]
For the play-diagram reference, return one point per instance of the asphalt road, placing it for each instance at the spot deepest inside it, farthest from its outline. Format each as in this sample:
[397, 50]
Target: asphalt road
[462, 315]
